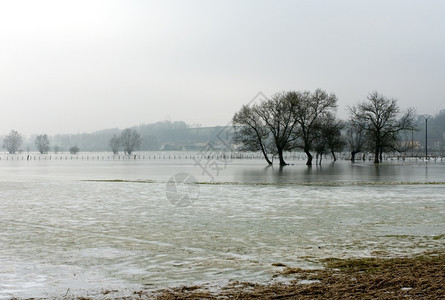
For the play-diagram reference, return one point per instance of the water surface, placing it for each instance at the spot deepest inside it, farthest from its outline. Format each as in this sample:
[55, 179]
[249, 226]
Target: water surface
[78, 227]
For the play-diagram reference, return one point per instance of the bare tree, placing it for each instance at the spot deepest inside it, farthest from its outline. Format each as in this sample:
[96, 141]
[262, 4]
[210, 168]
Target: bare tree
[115, 144]
[42, 143]
[285, 122]
[309, 110]
[12, 142]
[267, 126]
[278, 115]
[321, 148]
[74, 150]
[251, 133]
[381, 119]
[131, 140]
[355, 138]
[330, 138]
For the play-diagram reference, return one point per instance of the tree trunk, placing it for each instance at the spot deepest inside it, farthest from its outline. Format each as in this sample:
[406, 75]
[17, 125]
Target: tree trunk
[309, 158]
[265, 155]
[353, 156]
[263, 150]
[280, 156]
[333, 155]
[376, 155]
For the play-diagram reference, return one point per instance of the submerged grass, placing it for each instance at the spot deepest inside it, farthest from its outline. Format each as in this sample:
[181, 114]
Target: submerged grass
[404, 236]
[326, 183]
[312, 183]
[119, 180]
[439, 237]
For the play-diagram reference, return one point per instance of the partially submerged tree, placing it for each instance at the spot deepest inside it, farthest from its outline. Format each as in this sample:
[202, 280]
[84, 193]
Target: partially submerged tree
[130, 140]
[251, 133]
[285, 122]
[42, 143]
[330, 139]
[115, 144]
[12, 142]
[321, 149]
[309, 111]
[277, 114]
[268, 126]
[383, 123]
[355, 139]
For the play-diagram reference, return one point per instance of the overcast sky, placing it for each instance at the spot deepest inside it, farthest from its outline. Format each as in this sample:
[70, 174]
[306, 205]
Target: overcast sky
[81, 66]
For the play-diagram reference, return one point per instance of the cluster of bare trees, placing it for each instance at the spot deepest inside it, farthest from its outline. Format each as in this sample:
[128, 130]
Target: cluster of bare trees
[291, 121]
[14, 140]
[287, 121]
[377, 125]
[129, 140]
[301, 120]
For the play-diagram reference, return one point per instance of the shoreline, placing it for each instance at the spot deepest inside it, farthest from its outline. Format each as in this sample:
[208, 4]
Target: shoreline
[415, 277]
[420, 276]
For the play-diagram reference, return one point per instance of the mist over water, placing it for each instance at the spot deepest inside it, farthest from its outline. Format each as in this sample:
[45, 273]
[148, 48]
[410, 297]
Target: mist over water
[78, 227]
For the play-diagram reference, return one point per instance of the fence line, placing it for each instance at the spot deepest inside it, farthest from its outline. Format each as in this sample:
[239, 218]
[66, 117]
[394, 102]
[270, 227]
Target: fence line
[139, 156]
[221, 156]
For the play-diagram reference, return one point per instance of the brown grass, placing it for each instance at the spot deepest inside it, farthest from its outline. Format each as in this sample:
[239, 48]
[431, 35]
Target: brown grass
[420, 277]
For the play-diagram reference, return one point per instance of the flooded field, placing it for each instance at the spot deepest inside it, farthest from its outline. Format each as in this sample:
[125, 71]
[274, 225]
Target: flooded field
[82, 227]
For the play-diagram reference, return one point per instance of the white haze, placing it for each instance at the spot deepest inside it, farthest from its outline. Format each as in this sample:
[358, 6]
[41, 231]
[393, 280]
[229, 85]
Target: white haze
[81, 66]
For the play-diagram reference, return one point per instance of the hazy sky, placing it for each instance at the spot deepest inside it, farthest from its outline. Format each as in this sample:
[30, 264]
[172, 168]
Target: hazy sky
[81, 66]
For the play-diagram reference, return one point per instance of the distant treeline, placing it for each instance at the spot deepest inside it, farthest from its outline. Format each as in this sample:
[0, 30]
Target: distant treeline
[165, 135]
[178, 135]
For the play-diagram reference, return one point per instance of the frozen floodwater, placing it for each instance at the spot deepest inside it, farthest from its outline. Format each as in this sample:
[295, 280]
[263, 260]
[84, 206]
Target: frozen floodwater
[84, 227]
